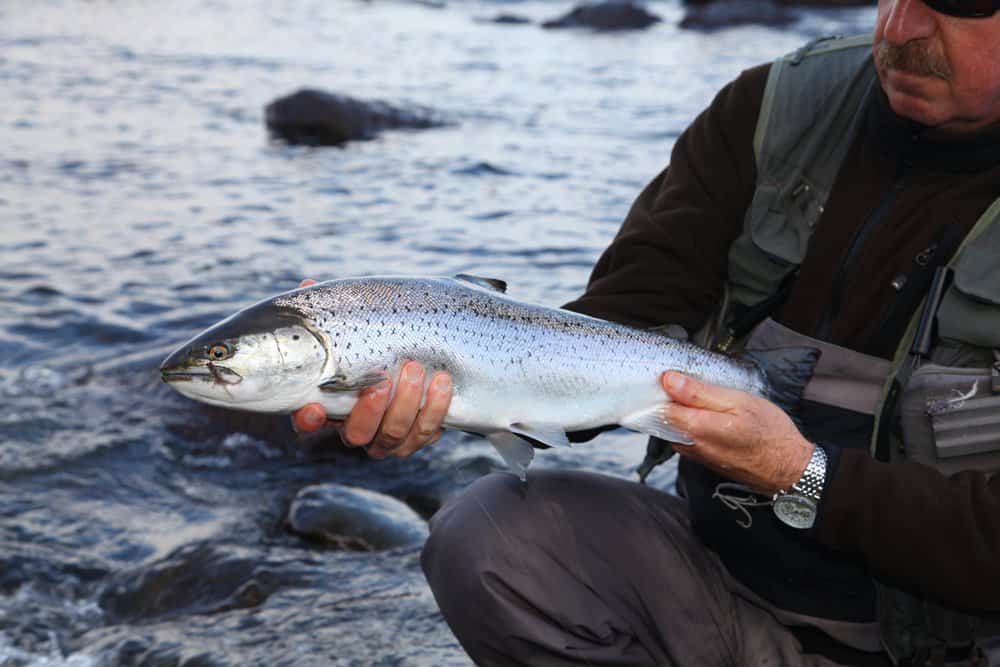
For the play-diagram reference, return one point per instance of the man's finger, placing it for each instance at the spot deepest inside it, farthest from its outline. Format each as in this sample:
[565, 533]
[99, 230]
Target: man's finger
[309, 418]
[697, 394]
[361, 425]
[307, 282]
[402, 412]
[426, 427]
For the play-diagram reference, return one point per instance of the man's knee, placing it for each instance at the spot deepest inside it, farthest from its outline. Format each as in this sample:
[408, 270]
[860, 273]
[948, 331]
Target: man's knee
[484, 530]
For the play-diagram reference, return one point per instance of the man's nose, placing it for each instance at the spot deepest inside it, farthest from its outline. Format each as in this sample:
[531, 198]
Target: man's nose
[908, 20]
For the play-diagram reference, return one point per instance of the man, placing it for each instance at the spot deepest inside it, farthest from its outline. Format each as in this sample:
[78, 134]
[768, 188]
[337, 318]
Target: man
[834, 199]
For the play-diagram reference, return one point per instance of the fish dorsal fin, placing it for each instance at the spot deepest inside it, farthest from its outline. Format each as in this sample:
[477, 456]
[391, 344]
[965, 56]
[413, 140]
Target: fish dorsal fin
[489, 283]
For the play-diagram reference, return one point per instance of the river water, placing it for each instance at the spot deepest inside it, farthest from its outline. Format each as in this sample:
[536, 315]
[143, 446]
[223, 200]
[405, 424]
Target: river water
[141, 200]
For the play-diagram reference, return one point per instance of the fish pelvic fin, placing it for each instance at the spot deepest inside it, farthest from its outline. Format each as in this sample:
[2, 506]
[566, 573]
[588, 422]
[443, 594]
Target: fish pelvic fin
[516, 452]
[652, 421]
[788, 371]
[546, 435]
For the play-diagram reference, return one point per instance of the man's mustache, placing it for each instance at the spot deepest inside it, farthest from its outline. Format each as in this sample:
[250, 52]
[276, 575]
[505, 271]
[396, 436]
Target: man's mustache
[914, 57]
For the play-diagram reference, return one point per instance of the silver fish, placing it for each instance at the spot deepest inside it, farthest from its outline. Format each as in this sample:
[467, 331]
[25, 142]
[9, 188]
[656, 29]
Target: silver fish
[520, 371]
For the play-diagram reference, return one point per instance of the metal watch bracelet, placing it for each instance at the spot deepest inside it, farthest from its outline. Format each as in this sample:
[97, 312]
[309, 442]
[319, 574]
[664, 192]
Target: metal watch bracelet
[799, 506]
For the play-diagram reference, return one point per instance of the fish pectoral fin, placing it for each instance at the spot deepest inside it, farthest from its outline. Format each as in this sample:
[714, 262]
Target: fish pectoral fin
[342, 383]
[547, 435]
[516, 452]
[651, 421]
[494, 284]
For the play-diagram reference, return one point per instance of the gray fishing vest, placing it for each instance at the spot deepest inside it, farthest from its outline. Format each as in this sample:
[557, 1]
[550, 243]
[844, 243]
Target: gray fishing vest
[946, 412]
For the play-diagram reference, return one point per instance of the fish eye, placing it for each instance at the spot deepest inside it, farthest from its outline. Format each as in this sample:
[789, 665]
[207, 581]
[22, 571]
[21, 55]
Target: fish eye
[219, 351]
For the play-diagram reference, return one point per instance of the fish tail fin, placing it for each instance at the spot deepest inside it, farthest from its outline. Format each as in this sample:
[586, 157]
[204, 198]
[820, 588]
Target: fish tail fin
[787, 371]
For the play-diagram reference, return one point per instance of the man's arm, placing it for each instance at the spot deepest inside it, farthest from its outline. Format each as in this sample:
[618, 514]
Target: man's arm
[935, 535]
[668, 262]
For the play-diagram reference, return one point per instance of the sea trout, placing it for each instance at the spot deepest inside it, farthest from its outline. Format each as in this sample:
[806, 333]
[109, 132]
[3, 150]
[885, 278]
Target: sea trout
[521, 372]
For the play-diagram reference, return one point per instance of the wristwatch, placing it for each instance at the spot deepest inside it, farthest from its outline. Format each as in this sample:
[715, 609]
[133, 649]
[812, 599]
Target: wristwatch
[798, 507]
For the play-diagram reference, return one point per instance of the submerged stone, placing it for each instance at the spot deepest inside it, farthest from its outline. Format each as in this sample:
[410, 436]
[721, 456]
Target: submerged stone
[353, 518]
[201, 578]
[611, 15]
[729, 13]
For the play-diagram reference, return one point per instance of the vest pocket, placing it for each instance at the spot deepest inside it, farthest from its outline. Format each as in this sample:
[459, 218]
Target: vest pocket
[970, 310]
[950, 419]
[773, 242]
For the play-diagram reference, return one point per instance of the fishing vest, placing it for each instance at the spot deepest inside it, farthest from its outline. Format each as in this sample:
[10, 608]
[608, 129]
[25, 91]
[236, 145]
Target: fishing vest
[941, 407]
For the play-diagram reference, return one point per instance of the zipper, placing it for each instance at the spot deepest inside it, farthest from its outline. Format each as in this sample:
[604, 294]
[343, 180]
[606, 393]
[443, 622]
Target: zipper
[874, 221]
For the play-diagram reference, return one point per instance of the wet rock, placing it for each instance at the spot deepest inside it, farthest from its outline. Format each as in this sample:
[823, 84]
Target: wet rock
[144, 652]
[729, 13]
[827, 3]
[195, 579]
[509, 19]
[317, 118]
[794, 3]
[353, 518]
[611, 15]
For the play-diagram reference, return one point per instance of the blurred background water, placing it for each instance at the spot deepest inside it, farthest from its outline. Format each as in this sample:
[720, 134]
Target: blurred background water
[141, 200]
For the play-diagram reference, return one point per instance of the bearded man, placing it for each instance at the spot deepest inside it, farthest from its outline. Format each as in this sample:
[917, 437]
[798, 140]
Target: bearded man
[843, 197]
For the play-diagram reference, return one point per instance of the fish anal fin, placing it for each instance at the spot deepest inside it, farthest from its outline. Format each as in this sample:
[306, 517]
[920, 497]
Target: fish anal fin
[494, 284]
[652, 421]
[516, 452]
[547, 435]
[340, 382]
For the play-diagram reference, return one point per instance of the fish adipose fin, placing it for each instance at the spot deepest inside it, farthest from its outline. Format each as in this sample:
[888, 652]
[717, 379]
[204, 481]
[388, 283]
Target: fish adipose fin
[651, 421]
[494, 284]
[546, 435]
[517, 453]
[342, 383]
[788, 371]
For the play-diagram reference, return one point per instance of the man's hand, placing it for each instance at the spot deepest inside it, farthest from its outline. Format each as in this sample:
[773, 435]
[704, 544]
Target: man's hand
[741, 436]
[398, 427]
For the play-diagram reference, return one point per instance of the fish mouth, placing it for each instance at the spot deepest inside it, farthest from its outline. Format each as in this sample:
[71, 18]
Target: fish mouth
[209, 372]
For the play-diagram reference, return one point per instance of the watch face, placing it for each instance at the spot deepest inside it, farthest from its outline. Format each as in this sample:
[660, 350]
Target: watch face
[797, 511]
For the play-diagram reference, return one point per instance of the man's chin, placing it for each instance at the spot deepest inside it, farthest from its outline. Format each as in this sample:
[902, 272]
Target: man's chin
[918, 98]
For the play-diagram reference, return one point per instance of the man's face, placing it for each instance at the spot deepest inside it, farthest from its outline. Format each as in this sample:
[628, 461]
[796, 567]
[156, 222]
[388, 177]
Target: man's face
[938, 70]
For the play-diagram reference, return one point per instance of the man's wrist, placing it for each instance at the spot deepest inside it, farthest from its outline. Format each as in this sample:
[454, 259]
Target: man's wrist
[795, 467]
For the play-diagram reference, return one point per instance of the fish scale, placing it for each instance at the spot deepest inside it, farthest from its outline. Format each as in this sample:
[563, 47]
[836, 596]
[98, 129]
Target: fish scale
[521, 372]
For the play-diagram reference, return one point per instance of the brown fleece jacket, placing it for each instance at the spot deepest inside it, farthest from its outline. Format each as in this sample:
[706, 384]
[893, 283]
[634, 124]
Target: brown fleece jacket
[936, 536]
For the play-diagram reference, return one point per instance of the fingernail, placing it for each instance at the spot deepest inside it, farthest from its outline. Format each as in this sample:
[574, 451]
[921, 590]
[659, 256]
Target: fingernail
[412, 373]
[442, 383]
[675, 381]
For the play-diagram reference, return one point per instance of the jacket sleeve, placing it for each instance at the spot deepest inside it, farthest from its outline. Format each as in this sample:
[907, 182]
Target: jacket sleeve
[667, 264]
[937, 537]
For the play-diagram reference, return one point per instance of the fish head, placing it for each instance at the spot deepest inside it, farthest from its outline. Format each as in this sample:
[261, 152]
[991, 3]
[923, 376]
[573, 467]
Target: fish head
[265, 358]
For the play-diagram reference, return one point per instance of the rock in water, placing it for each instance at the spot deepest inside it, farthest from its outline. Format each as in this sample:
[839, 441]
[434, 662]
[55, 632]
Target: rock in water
[729, 13]
[610, 15]
[317, 118]
[509, 19]
[353, 518]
